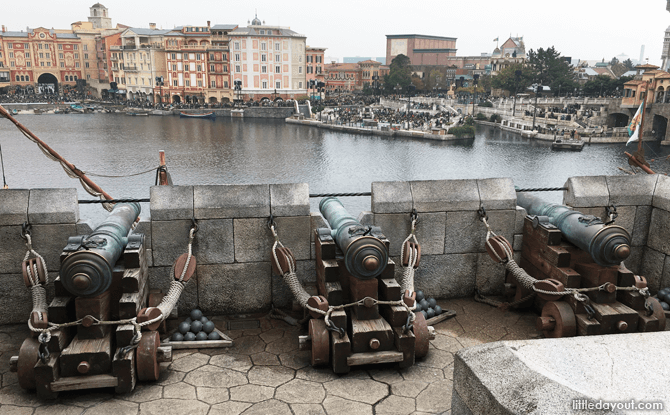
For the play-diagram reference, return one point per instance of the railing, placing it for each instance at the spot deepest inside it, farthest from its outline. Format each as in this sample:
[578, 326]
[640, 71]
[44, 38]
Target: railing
[130, 68]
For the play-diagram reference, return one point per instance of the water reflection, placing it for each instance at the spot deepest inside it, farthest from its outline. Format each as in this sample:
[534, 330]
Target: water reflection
[242, 151]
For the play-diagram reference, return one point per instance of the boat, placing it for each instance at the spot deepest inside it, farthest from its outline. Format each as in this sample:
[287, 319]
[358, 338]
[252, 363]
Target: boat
[137, 114]
[574, 144]
[161, 112]
[210, 115]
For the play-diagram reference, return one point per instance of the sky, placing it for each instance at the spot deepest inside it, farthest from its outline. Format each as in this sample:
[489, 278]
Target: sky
[584, 29]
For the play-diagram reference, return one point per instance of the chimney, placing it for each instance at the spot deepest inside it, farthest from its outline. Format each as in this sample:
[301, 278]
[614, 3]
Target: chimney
[208, 23]
[152, 26]
[4, 29]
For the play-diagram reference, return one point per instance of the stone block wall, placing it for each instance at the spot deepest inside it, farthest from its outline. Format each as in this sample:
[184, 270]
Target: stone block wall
[643, 207]
[233, 242]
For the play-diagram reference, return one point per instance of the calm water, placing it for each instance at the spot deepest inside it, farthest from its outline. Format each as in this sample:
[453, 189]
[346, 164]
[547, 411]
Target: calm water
[235, 151]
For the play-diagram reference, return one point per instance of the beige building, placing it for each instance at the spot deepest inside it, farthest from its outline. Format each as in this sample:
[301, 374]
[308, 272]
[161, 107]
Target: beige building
[269, 61]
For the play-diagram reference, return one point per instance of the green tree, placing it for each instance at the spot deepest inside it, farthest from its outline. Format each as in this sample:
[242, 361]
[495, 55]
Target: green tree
[515, 78]
[629, 64]
[400, 73]
[614, 61]
[549, 68]
[600, 84]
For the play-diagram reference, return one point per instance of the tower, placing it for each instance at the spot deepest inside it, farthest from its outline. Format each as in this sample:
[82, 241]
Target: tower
[100, 17]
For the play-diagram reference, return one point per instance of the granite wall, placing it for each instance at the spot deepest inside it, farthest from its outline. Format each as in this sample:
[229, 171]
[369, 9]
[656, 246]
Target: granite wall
[233, 243]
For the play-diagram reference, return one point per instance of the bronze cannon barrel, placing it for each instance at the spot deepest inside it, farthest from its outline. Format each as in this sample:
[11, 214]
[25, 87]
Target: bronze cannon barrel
[607, 244]
[365, 256]
[87, 270]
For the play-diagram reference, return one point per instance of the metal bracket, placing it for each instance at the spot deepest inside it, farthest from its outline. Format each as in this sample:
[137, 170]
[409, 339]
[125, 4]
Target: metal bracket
[194, 225]
[611, 214]
[414, 216]
[482, 213]
[26, 229]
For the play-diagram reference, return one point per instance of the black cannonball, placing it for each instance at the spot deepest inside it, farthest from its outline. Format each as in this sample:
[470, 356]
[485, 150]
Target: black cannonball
[177, 337]
[196, 327]
[188, 320]
[189, 337]
[665, 306]
[425, 315]
[438, 310]
[419, 295]
[204, 319]
[430, 313]
[665, 298]
[208, 327]
[201, 336]
[418, 307]
[213, 336]
[184, 327]
[432, 302]
[196, 314]
[424, 304]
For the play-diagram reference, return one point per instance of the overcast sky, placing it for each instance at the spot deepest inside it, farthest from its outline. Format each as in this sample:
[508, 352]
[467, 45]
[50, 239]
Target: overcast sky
[584, 29]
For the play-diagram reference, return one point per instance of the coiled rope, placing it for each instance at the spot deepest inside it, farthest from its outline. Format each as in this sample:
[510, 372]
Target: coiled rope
[38, 290]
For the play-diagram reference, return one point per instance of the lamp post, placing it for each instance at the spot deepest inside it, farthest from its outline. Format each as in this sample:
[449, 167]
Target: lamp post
[159, 83]
[537, 92]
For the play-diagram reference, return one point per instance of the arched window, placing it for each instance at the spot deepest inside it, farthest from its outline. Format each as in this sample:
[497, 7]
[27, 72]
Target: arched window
[17, 78]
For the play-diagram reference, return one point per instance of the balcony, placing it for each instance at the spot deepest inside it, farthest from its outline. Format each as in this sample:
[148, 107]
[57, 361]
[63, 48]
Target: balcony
[129, 68]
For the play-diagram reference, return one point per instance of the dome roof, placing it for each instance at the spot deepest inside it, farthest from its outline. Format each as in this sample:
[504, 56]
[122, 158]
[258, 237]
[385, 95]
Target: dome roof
[256, 21]
[496, 52]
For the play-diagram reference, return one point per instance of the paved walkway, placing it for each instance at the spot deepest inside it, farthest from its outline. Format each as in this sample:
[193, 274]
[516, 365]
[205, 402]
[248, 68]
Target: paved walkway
[265, 373]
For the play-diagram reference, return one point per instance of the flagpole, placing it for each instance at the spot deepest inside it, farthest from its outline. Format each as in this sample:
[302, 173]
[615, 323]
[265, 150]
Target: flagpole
[644, 108]
[633, 158]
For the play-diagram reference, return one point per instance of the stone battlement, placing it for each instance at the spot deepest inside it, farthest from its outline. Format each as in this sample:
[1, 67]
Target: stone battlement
[233, 243]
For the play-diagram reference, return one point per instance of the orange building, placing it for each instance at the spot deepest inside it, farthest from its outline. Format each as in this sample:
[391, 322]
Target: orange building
[314, 61]
[343, 77]
[421, 49]
[40, 58]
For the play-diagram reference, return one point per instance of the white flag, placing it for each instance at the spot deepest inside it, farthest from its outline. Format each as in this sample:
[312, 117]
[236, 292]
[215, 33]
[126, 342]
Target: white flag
[634, 126]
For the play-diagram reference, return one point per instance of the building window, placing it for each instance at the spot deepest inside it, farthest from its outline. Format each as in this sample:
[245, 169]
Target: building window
[39, 46]
[276, 46]
[264, 58]
[27, 55]
[211, 68]
[76, 47]
[277, 58]
[174, 56]
[237, 68]
[277, 68]
[299, 84]
[237, 57]
[264, 69]
[88, 77]
[62, 64]
[142, 81]
[225, 84]
[17, 78]
[60, 56]
[11, 54]
[86, 64]
[200, 83]
[85, 55]
[174, 83]
[76, 64]
[265, 84]
[225, 56]
[263, 46]
[27, 64]
[49, 64]
[11, 45]
[278, 84]
[225, 68]
[60, 47]
[85, 47]
[213, 84]
[299, 69]
[186, 67]
[174, 67]
[76, 56]
[199, 67]
[237, 45]
[188, 82]
[211, 56]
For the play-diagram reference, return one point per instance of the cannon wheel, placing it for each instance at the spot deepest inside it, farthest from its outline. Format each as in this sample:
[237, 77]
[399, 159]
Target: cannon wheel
[28, 356]
[659, 313]
[146, 356]
[320, 342]
[565, 320]
[422, 342]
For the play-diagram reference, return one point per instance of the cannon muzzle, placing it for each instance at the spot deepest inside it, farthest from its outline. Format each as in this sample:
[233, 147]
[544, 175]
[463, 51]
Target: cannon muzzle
[87, 270]
[365, 256]
[608, 245]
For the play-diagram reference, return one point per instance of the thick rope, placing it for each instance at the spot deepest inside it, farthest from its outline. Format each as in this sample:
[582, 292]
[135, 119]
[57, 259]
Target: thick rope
[290, 276]
[407, 280]
[38, 291]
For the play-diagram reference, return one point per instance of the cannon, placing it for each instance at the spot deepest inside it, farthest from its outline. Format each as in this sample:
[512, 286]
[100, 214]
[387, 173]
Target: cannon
[566, 250]
[103, 284]
[354, 269]
[88, 267]
[607, 244]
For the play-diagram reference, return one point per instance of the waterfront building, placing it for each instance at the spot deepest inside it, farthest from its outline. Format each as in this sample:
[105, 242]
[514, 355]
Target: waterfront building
[269, 61]
[40, 58]
[99, 17]
[343, 77]
[512, 51]
[197, 64]
[314, 61]
[356, 59]
[369, 72]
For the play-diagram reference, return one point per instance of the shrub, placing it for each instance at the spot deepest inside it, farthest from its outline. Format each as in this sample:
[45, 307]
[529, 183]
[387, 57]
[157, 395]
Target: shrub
[481, 117]
[496, 118]
[469, 120]
[487, 104]
[466, 131]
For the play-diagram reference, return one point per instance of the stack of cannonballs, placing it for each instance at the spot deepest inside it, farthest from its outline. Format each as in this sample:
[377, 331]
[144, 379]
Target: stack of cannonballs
[427, 306]
[664, 298]
[196, 327]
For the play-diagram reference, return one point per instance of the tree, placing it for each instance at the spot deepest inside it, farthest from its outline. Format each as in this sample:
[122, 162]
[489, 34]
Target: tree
[629, 64]
[614, 61]
[514, 78]
[550, 69]
[400, 73]
[418, 83]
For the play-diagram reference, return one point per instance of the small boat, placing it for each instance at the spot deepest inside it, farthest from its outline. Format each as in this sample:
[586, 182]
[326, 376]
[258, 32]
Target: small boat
[210, 115]
[574, 144]
[137, 114]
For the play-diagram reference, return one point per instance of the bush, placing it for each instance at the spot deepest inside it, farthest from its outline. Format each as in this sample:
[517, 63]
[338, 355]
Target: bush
[481, 117]
[496, 118]
[487, 104]
[466, 131]
[469, 120]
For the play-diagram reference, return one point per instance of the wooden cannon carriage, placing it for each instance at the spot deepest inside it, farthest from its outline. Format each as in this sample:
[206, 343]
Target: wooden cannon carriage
[101, 293]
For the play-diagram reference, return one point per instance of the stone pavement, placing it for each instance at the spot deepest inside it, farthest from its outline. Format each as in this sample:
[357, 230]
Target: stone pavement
[265, 373]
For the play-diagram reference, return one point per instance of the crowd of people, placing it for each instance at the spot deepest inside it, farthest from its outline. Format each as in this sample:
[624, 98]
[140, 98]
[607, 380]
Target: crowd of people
[394, 118]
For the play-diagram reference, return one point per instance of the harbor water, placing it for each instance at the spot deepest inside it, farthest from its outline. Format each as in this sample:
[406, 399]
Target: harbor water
[249, 151]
